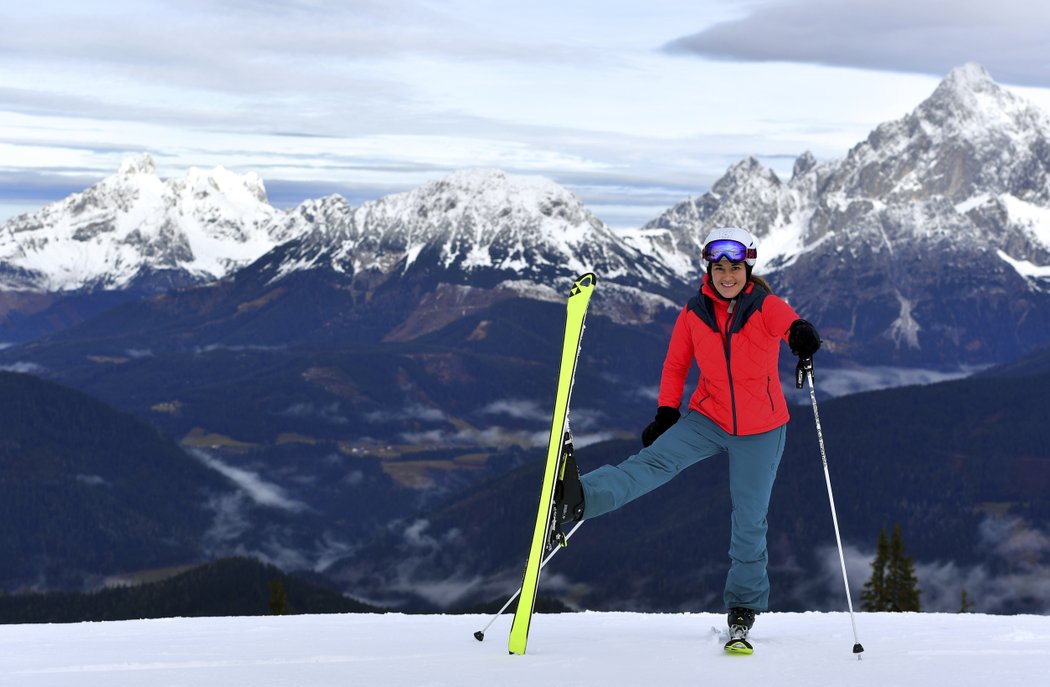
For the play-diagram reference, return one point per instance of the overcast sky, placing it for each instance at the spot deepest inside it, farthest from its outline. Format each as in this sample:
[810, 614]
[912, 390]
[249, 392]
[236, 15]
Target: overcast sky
[635, 106]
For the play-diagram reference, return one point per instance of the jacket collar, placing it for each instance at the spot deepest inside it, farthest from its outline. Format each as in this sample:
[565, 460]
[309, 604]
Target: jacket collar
[707, 299]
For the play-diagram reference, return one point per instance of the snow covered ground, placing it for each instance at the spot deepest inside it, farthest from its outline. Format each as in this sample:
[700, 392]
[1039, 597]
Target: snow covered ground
[792, 649]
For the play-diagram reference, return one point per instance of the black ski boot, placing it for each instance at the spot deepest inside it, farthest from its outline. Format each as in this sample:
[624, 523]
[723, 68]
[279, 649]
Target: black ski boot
[568, 492]
[741, 617]
[740, 622]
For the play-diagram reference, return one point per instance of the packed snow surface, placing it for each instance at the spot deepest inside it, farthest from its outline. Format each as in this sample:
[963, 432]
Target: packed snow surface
[580, 649]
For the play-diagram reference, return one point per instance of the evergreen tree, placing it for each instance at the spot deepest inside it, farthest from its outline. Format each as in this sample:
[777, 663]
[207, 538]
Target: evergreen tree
[875, 596]
[965, 605]
[901, 583]
[278, 597]
[892, 586]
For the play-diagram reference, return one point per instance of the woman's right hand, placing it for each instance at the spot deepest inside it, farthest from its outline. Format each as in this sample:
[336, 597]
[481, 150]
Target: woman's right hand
[665, 417]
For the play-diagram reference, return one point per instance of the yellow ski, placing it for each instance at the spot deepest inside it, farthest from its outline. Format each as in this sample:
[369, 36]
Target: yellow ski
[576, 312]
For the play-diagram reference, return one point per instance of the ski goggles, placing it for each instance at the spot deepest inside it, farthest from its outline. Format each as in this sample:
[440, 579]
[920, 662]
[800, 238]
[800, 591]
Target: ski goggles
[728, 248]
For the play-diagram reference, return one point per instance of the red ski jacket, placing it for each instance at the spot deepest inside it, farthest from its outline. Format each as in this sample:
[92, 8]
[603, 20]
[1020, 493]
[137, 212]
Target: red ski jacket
[737, 352]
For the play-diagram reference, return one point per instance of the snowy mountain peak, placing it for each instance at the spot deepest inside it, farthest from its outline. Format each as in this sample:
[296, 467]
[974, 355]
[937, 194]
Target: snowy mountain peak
[964, 177]
[242, 188]
[748, 175]
[971, 136]
[803, 164]
[485, 190]
[322, 222]
[472, 226]
[969, 103]
[477, 218]
[132, 226]
[484, 179]
[142, 164]
[970, 77]
[476, 206]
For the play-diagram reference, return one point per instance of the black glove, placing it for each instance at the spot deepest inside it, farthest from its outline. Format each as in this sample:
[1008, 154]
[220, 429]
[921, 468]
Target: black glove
[665, 417]
[804, 342]
[803, 339]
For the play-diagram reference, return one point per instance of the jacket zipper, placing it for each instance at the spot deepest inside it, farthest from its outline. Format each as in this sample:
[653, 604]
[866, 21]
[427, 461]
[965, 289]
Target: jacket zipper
[729, 367]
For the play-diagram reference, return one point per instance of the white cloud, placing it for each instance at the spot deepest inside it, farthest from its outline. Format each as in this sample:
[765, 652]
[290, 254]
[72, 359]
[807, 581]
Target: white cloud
[842, 381]
[93, 480]
[211, 348]
[932, 37]
[366, 98]
[24, 368]
[521, 409]
[328, 413]
[411, 412]
[394, 93]
[252, 485]
[1016, 575]
[1014, 539]
[231, 520]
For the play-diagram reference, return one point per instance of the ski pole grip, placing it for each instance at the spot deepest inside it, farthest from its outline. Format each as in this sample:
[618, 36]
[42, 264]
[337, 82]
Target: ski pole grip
[804, 367]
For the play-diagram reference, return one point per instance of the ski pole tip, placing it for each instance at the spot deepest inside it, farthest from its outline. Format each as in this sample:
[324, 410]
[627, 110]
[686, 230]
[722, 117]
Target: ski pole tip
[480, 636]
[858, 649]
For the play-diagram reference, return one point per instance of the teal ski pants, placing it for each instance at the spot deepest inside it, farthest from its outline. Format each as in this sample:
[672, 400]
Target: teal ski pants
[753, 462]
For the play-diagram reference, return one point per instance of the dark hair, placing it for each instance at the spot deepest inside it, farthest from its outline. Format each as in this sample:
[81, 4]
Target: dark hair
[761, 282]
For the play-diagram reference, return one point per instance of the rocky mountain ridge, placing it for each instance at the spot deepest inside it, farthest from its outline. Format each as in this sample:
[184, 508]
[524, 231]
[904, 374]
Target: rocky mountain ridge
[133, 225]
[927, 245]
[913, 250]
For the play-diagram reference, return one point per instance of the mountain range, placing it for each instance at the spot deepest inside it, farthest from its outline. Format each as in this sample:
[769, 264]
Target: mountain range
[924, 247]
[133, 229]
[333, 369]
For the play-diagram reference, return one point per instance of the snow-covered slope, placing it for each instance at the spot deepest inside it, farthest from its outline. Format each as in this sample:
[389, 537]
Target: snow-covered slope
[928, 235]
[480, 220]
[971, 136]
[748, 195]
[971, 164]
[133, 224]
[483, 231]
[584, 649]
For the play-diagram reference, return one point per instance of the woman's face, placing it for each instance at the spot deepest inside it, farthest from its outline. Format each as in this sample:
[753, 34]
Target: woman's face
[729, 278]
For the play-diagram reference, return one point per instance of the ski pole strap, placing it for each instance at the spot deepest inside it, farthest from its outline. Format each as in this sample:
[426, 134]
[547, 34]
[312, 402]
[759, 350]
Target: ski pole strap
[804, 367]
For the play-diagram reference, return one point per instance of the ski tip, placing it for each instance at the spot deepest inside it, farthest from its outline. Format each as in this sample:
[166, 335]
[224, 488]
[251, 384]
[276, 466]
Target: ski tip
[480, 636]
[739, 648]
[586, 280]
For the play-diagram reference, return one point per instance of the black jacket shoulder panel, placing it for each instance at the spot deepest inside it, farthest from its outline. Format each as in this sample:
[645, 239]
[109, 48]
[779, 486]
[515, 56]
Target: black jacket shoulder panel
[704, 308]
[747, 305]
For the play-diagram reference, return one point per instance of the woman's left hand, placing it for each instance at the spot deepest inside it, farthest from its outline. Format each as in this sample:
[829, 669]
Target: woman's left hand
[803, 339]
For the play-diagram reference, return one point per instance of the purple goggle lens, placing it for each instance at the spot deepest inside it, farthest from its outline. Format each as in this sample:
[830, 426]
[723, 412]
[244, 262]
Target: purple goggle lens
[728, 248]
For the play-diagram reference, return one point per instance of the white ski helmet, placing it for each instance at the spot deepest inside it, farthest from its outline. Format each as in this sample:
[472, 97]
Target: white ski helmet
[732, 242]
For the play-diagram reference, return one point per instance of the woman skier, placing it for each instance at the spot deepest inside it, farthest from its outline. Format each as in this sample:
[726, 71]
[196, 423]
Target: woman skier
[732, 328]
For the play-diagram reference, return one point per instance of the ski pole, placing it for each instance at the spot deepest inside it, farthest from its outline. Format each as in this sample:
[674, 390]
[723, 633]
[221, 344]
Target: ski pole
[805, 366]
[480, 634]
